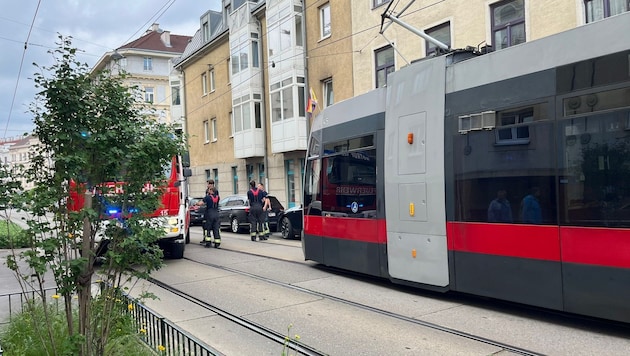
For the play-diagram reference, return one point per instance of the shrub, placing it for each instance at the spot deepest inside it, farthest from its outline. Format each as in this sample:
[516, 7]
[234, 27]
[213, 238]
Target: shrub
[12, 236]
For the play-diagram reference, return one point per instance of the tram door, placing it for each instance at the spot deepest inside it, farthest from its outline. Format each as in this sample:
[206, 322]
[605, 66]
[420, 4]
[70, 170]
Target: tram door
[414, 174]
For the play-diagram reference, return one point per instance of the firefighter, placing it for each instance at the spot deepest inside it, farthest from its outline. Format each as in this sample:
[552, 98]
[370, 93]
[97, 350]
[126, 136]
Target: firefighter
[212, 218]
[256, 198]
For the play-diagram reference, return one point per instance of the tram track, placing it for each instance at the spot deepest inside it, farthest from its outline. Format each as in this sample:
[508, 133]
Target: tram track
[305, 349]
[266, 332]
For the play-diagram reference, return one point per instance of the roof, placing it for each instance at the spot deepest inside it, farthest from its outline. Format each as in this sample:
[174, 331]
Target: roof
[152, 41]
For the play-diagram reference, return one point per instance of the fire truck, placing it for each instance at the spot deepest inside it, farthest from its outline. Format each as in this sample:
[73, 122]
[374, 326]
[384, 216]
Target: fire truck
[172, 213]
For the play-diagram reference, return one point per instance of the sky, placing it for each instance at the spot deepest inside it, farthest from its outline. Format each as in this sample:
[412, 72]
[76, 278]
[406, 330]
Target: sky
[95, 26]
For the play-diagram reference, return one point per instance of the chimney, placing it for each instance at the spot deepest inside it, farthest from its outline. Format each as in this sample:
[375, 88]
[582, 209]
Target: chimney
[166, 38]
[155, 27]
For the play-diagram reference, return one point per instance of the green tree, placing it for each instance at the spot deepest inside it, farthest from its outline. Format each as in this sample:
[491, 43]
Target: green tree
[91, 130]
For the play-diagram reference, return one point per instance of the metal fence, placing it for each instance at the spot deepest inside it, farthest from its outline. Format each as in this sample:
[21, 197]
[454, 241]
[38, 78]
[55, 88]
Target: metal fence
[157, 332]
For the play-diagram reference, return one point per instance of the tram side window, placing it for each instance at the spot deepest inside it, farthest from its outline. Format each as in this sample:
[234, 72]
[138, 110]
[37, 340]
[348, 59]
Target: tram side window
[595, 171]
[349, 184]
[503, 183]
[312, 191]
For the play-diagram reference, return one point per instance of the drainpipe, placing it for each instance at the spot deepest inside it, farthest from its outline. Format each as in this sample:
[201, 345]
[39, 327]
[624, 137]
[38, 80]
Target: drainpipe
[263, 111]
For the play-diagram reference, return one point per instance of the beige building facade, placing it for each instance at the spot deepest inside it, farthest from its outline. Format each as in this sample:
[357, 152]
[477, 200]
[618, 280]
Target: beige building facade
[485, 25]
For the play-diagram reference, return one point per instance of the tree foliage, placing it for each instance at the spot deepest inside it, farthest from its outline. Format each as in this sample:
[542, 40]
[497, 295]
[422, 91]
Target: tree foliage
[91, 130]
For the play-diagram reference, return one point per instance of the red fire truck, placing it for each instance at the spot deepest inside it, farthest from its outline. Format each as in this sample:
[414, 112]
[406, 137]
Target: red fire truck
[172, 214]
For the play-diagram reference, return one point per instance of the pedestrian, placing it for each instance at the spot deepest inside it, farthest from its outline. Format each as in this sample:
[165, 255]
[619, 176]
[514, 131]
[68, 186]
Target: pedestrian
[256, 199]
[212, 218]
[499, 209]
[266, 209]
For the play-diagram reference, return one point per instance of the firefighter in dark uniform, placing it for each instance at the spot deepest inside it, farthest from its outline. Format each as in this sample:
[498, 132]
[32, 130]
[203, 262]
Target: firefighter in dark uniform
[256, 199]
[212, 218]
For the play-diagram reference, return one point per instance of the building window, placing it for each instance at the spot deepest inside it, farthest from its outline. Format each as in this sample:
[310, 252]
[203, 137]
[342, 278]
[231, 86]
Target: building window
[215, 176]
[508, 23]
[329, 97]
[242, 113]
[205, 31]
[377, 3]
[282, 105]
[384, 61]
[289, 168]
[298, 31]
[261, 173]
[206, 132]
[231, 115]
[600, 9]
[213, 127]
[204, 83]
[255, 60]
[234, 181]
[149, 96]
[249, 168]
[207, 171]
[441, 33]
[148, 63]
[175, 93]
[229, 73]
[324, 15]
[212, 85]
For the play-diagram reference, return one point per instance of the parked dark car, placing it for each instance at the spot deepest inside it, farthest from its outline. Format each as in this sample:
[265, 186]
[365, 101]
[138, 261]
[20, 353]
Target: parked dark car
[290, 223]
[197, 212]
[234, 213]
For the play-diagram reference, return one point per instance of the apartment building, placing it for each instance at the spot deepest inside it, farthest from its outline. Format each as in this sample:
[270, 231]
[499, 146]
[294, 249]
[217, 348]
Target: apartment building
[245, 92]
[147, 61]
[205, 85]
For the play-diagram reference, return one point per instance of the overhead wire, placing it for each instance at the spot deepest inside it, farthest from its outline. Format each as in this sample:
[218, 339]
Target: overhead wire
[17, 82]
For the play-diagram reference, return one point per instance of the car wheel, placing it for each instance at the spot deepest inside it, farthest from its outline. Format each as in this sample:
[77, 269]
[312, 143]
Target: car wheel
[234, 225]
[286, 228]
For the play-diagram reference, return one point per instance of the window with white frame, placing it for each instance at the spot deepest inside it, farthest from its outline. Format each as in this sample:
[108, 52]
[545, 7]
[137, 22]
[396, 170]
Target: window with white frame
[255, 50]
[282, 103]
[324, 20]
[204, 83]
[242, 116]
[213, 128]
[205, 31]
[599, 9]
[212, 85]
[231, 115]
[206, 131]
[149, 94]
[175, 93]
[442, 33]
[148, 63]
[229, 72]
[508, 23]
[329, 97]
[384, 64]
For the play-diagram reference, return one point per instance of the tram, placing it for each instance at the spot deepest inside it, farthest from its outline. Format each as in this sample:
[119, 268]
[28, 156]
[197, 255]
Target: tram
[504, 175]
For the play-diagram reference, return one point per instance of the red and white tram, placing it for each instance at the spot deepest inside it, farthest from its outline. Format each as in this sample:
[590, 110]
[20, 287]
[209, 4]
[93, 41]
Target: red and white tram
[399, 182]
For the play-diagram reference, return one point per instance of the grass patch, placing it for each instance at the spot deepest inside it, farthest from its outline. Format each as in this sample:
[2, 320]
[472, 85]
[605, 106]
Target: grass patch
[12, 235]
